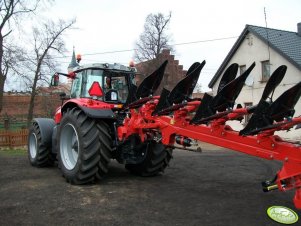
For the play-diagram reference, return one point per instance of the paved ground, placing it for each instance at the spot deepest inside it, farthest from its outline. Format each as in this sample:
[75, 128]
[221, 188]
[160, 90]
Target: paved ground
[216, 187]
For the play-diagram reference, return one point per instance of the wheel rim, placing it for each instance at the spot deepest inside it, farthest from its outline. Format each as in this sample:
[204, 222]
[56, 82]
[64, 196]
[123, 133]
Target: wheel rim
[69, 146]
[33, 145]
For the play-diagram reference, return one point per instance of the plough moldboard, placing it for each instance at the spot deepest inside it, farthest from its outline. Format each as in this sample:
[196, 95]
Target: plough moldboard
[175, 117]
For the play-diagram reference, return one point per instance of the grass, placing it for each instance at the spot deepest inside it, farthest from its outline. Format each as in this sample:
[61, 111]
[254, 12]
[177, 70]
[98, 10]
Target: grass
[13, 152]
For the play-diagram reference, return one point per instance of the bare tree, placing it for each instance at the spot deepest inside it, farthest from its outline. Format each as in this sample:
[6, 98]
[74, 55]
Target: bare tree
[154, 37]
[12, 59]
[10, 12]
[47, 41]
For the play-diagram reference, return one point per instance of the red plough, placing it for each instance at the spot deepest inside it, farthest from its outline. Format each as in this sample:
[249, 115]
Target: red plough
[175, 118]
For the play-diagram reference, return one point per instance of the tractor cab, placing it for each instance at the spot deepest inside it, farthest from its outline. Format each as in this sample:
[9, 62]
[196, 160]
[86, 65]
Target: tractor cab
[104, 82]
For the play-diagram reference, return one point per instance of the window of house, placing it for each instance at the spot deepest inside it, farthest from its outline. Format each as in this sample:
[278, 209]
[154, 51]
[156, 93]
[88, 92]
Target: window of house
[248, 116]
[242, 69]
[265, 68]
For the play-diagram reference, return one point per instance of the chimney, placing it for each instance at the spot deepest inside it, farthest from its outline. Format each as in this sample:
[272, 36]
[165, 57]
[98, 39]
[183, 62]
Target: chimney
[299, 28]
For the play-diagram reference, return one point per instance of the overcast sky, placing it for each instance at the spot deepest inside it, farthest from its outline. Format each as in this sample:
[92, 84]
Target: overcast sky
[115, 25]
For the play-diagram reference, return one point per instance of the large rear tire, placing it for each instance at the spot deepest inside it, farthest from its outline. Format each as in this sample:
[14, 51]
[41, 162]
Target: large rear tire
[39, 154]
[156, 160]
[105, 150]
[78, 147]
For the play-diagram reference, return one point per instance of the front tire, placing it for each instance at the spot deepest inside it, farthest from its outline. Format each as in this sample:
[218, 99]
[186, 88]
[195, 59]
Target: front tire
[39, 154]
[156, 160]
[78, 147]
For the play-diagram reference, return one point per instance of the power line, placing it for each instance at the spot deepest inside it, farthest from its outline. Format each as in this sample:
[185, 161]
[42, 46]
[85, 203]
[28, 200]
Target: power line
[130, 50]
[208, 40]
[108, 52]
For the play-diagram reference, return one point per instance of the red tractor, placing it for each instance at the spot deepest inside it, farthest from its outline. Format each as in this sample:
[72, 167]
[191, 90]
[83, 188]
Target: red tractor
[82, 136]
[108, 117]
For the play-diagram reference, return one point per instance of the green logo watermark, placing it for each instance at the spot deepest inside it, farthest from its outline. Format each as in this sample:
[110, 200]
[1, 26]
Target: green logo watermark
[282, 215]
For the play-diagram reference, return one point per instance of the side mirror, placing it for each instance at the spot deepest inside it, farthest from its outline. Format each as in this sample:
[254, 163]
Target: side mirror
[111, 95]
[55, 80]
[56, 77]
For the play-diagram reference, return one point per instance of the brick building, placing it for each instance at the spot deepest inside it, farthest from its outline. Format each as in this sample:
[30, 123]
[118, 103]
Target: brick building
[173, 72]
[15, 105]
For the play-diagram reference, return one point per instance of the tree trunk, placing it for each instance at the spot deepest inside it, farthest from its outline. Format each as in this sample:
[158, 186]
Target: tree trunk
[32, 96]
[2, 81]
[2, 76]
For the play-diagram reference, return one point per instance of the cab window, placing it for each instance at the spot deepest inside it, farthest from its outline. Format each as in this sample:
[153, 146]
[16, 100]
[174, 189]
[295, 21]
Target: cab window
[92, 75]
[76, 86]
[115, 87]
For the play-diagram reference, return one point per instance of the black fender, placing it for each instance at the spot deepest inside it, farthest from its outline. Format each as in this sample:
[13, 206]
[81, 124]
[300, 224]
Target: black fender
[98, 113]
[90, 112]
[46, 126]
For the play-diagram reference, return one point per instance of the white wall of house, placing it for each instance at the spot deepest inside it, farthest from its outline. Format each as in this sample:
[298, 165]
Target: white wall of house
[252, 49]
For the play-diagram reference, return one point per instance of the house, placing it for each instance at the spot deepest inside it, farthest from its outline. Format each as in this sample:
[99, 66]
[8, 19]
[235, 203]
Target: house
[268, 48]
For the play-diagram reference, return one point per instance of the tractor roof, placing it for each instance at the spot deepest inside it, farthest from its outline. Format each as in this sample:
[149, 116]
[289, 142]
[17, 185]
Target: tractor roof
[105, 66]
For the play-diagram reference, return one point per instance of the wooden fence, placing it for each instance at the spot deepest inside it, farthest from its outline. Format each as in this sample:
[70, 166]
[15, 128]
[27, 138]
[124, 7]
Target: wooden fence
[13, 138]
